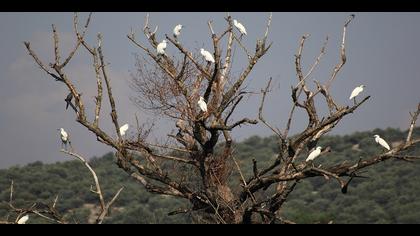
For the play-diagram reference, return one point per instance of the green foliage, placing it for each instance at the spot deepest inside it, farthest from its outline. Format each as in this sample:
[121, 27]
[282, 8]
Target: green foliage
[391, 194]
[70, 180]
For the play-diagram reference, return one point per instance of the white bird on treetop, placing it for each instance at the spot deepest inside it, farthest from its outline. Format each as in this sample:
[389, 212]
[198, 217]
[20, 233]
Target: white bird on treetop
[382, 142]
[161, 47]
[123, 129]
[23, 219]
[207, 55]
[64, 137]
[202, 104]
[239, 26]
[356, 91]
[177, 30]
[314, 154]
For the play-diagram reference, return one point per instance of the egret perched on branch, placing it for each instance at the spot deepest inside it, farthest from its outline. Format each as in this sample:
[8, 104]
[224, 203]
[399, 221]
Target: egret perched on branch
[240, 27]
[161, 47]
[207, 55]
[23, 219]
[177, 30]
[314, 154]
[202, 104]
[64, 138]
[356, 92]
[382, 142]
[123, 129]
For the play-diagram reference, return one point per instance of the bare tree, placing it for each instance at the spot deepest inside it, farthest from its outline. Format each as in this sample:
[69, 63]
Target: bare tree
[196, 163]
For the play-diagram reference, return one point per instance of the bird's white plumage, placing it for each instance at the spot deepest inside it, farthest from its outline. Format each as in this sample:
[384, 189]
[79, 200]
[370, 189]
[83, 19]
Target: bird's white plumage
[177, 30]
[239, 26]
[202, 104]
[356, 91]
[314, 154]
[381, 142]
[23, 220]
[64, 135]
[123, 129]
[161, 47]
[207, 55]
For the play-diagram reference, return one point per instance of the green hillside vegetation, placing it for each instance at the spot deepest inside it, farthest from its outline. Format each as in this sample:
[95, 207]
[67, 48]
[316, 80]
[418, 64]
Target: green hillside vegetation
[391, 194]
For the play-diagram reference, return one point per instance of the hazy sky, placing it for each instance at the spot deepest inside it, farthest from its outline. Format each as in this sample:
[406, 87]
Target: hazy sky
[382, 49]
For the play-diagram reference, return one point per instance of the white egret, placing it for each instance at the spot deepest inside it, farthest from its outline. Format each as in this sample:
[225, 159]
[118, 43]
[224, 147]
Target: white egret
[161, 47]
[23, 219]
[177, 30]
[239, 26]
[207, 55]
[314, 154]
[356, 91]
[202, 104]
[382, 142]
[64, 138]
[123, 129]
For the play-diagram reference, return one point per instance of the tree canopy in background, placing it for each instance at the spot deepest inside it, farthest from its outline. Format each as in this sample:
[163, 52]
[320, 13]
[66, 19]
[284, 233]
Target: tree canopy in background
[391, 194]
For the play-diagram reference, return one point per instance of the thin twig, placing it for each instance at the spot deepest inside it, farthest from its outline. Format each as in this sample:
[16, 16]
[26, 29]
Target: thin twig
[95, 177]
[260, 110]
[413, 123]
[343, 59]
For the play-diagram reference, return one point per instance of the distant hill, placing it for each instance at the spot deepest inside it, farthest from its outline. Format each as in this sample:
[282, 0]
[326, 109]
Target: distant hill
[391, 194]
